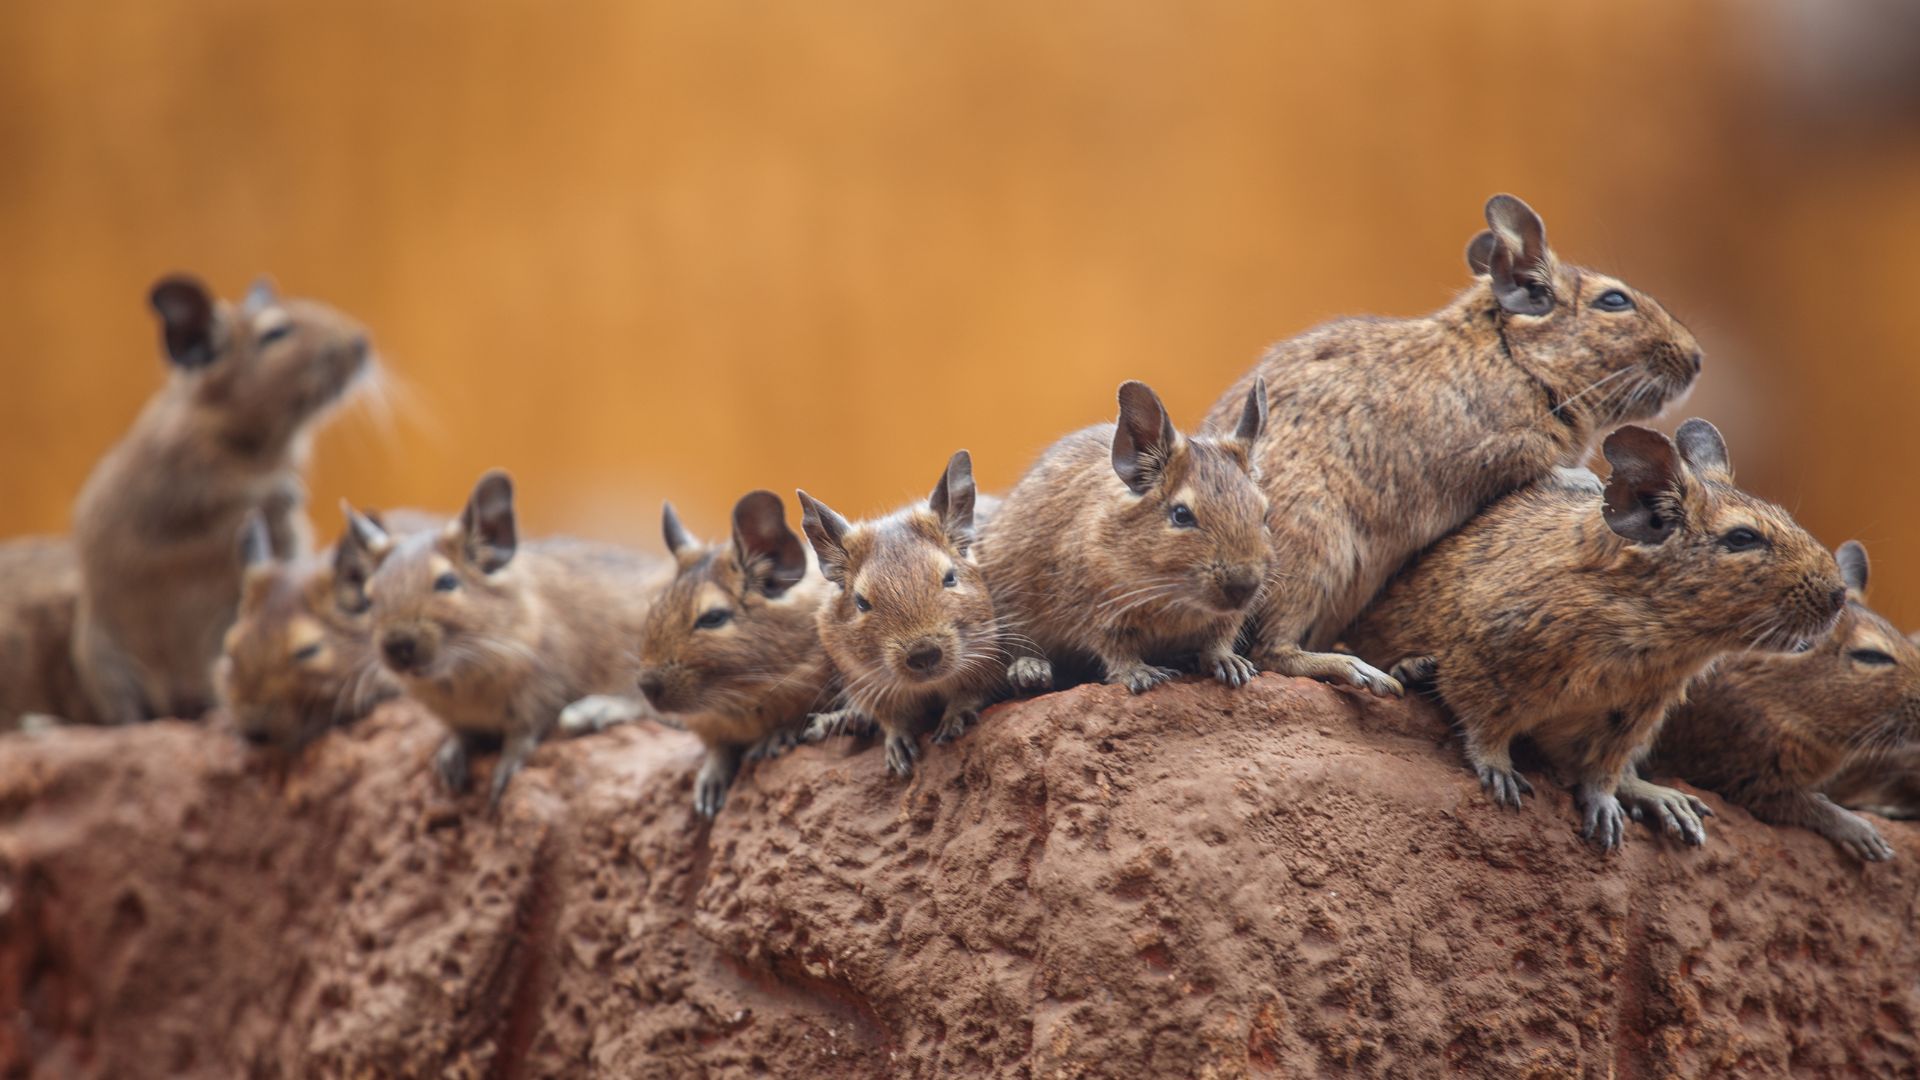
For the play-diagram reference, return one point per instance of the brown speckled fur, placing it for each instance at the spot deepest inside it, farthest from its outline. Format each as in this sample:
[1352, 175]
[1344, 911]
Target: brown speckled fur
[39, 589]
[1768, 730]
[1385, 434]
[155, 523]
[1538, 619]
[745, 687]
[1091, 574]
[526, 630]
[299, 658]
[1887, 785]
[899, 565]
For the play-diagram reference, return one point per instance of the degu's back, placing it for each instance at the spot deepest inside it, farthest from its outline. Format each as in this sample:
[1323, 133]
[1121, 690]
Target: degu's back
[1384, 434]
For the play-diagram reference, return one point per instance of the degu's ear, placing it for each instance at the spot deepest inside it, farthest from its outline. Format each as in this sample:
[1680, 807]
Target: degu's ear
[1702, 448]
[677, 537]
[1639, 499]
[1144, 438]
[827, 532]
[769, 551]
[1852, 557]
[362, 548]
[489, 534]
[1253, 416]
[262, 295]
[952, 500]
[254, 542]
[1517, 258]
[1480, 253]
[187, 321]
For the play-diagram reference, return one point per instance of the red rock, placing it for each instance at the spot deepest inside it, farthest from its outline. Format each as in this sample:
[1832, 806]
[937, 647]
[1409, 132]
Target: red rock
[1286, 880]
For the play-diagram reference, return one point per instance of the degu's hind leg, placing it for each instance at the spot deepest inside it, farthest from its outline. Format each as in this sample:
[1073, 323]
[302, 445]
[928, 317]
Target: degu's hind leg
[1274, 634]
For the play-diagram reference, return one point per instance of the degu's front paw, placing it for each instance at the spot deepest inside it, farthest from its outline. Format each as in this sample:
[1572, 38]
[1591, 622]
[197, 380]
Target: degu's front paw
[1415, 671]
[1676, 812]
[1030, 675]
[709, 794]
[828, 725]
[598, 712]
[1334, 667]
[902, 752]
[1141, 677]
[1603, 821]
[1857, 835]
[450, 762]
[954, 723]
[1231, 668]
[1506, 785]
[1579, 480]
[1372, 679]
[711, 784]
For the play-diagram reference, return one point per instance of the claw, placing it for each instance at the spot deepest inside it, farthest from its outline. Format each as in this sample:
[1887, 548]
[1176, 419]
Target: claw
[953, 724]
[1677, 813]
[708, 798]
[1860, 837]
[1030, 674]
[901, 754]
[1234, 670]
[1415, 671]
[1141, 678]
[1374, 681]
[1504, 785]
[710, 786]
[450, 761]
[827, 725]
[1604, 821]
[502, 772]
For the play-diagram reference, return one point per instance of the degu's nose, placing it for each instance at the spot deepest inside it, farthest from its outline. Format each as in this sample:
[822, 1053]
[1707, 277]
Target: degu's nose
[924, 656]
[400, 648]
[652, 686]
[1238, 587]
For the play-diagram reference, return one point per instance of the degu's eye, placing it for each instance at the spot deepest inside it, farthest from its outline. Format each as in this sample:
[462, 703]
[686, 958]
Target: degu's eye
[952, 578]
[1613, 300]
[446, 582]
[273, 335]
[1182, 516]
[312, 649]
[861, 602]
[1871, 656]
[713, 620]
[1742, 539]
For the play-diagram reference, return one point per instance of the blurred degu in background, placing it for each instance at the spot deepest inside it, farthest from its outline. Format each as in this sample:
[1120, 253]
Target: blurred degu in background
[638, 250]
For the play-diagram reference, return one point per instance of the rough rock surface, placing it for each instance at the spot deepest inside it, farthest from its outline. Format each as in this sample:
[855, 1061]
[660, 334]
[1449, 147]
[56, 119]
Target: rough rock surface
[1195, 882]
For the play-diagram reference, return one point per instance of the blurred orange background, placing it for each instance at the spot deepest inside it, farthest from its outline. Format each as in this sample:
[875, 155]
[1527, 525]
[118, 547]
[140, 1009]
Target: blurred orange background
[635, 251]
